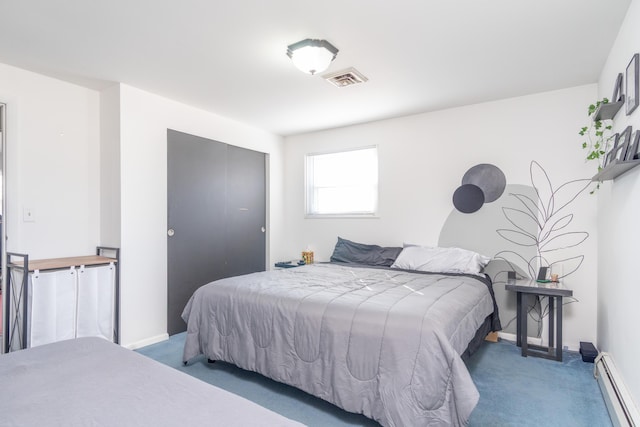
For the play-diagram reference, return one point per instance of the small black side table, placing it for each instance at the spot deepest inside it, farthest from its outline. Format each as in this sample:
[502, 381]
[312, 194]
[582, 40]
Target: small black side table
[554, 291]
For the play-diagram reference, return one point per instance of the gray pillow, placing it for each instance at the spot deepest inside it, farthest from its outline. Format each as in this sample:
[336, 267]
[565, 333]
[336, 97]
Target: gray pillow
[359, 253]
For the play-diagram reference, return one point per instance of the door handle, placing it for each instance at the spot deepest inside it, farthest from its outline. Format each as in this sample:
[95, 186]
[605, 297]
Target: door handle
[263, 229]
[171, 232]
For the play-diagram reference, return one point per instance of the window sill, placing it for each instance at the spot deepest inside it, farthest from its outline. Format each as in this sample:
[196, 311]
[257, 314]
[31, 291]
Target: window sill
[341, 216]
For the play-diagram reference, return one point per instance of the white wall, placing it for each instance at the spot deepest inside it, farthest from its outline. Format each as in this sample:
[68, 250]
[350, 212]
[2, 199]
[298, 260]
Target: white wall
[92, 167]
[144, 119]
[619, 245]
[110, 229]
[52, 165]
[422, 159]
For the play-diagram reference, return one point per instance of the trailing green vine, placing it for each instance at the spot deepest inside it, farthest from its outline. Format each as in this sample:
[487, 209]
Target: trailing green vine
[599, 137]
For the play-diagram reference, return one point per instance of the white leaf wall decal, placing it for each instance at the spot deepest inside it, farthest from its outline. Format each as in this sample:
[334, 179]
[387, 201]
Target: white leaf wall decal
[564, 241]
[540, 212]
[520, 219]
[530, 206]
[569, 265]
[542, 185]
[552, 226]
[568, 192]
[518, 237]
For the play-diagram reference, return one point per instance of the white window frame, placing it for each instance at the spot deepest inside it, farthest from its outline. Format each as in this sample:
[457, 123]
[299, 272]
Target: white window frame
[309, 187]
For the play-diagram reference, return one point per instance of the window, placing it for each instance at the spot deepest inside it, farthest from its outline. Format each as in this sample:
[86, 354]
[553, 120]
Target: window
[343, 183]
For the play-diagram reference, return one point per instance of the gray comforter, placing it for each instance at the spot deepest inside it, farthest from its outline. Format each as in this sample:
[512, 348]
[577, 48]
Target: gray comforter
[92, 382]
[381, 342]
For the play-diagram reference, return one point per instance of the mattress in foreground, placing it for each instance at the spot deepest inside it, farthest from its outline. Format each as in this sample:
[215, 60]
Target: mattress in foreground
[92, 382]
[385, 343]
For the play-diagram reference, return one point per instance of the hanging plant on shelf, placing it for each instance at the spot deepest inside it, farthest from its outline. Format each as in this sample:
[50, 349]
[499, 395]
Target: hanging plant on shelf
[599, 137]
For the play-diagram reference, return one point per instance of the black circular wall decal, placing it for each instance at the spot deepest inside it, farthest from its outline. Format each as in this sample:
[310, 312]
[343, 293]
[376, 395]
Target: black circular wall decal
[468, 198]
[489, 178]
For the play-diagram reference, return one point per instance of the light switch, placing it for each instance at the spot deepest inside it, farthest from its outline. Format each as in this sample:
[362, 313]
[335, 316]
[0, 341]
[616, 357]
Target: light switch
[28, 215]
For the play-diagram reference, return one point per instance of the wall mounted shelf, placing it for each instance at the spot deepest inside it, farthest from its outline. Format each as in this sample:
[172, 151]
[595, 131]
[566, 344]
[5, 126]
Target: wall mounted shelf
[608, 111]
[615, 169]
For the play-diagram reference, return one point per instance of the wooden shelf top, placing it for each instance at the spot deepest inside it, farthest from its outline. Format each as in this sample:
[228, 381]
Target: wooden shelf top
[58, 263]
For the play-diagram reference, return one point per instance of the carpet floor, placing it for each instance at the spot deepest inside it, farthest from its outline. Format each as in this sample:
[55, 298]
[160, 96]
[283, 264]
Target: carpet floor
[514, 390]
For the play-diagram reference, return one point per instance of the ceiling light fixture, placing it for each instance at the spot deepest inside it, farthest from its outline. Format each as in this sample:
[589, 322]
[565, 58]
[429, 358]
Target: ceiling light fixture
[312, 55]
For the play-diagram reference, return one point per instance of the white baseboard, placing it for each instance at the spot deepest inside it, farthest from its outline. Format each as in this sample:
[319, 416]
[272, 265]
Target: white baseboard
[620, 405]
[147, 341]
[512, 337]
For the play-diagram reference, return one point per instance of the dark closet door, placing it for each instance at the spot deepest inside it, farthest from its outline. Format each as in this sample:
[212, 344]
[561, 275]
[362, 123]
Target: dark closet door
[246, 202]
[196, 187]
[215, 214]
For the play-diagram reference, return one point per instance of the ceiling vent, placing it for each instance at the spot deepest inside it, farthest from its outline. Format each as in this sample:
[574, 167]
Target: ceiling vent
[348, 77]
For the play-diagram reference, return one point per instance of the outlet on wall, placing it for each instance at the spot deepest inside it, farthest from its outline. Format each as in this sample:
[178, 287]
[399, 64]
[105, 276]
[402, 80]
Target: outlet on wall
[28, 215]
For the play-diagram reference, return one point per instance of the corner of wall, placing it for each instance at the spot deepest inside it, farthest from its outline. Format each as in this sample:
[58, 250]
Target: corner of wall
[110, 166]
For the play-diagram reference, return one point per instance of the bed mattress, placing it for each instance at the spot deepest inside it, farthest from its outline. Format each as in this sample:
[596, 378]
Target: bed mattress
[92, 382]
[385, 343]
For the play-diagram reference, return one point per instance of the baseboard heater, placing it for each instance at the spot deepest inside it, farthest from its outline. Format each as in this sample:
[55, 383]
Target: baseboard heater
[622, 410]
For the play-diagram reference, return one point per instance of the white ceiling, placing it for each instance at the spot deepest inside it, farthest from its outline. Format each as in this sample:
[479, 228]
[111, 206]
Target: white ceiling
[229, 57]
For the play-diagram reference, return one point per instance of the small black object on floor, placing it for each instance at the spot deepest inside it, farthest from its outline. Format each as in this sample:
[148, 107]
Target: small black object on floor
[588, 351]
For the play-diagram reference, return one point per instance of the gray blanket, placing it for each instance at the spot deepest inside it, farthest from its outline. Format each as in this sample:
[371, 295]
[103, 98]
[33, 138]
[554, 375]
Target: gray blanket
[93, 382]
[384, 343]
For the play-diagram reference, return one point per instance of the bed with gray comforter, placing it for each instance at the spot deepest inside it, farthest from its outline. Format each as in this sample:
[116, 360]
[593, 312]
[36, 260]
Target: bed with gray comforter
[93, 382]
[382, 342]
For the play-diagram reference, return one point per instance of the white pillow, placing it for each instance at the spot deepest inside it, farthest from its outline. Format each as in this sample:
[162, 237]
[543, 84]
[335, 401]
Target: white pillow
[440, 260]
